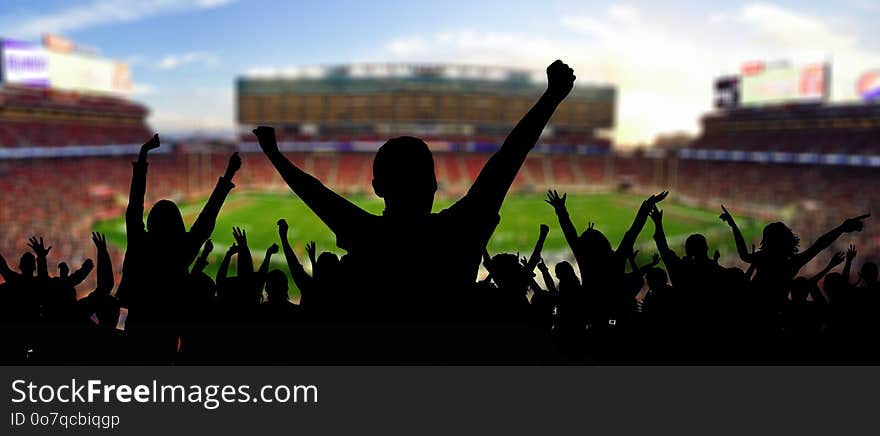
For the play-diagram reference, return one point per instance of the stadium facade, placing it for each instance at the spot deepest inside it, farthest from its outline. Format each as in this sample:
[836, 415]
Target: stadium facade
[454, 107]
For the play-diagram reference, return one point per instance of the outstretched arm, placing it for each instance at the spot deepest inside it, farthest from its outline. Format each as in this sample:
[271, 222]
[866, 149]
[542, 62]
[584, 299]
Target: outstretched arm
[245, 260]
[299, 275]
[568, 229]
[629, 238]
[339, 214]
[134, 213]
[850, 225]
[491, 186]
[837, 259]
[202, 261]
[850, 255]
[80, 275]
[548, 279]
[741, 247]
[7, 273]
[41, 251]
[223, 270]
[105, 266]
[260, 280]
[204, 225]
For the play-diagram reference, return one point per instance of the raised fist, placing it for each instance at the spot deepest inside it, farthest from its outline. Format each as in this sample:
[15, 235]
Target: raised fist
[560, 79]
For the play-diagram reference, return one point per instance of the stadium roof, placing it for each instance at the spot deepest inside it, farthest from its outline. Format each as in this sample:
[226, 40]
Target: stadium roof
[376, 78]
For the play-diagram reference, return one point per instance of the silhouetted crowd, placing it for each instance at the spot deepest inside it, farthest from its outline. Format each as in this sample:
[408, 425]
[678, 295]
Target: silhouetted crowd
[407, 289]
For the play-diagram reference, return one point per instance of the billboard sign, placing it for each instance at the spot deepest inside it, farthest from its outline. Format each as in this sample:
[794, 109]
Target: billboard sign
[868, 85]
[24, 64]
[87, 74]
[783, 83]
[727, 92]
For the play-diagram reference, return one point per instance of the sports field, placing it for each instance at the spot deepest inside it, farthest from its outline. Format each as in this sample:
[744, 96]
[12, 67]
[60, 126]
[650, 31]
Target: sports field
[521, 215]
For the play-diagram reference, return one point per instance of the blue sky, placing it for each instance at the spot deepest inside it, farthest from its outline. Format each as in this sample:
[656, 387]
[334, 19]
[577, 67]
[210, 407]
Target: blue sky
[186, 54]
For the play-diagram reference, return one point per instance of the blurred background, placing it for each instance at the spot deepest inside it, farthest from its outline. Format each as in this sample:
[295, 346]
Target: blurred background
[770, 108]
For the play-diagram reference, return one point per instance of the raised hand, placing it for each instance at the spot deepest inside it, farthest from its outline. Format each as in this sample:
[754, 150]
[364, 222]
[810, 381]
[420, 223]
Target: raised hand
[282, 227]
[652, 201]
[542, 266]
[311, 250]
[152, 144]
[726, 216]
[209, 247]
[656, 215]
[855, 224]
[553, 199]
[88, 265]
[100, 241]
[240, 236]
[233, 249]
[655, 259]
[266, 137]
[38, 247]
[560, 79]
[851, 253]
[273, 249]
[233, 166]
[717, 254]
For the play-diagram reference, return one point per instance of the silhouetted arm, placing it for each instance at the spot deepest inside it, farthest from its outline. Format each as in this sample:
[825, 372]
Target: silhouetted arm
[568, 229]
[223, 270]
[304, 282]
[491, 186]
[204, 225]
[245, 260]
[850, 225]
[105, 266]
[134, 213]
[837, 259]
[81, 274]
[41, 252]
[670, 259]
[339, 214]
[629, 238]
[7, 273]
[202, 260]
[548, 279]
[260, 280]
[741, 247]
[850, 255]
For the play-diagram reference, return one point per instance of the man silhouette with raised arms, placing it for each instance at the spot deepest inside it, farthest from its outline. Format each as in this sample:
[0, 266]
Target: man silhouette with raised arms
[406, 263]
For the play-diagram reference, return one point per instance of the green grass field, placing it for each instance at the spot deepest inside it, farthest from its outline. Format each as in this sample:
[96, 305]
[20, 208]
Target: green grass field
[521, 215]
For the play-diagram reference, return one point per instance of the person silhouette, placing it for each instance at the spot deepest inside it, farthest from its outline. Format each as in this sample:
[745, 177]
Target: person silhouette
[157, 259]
[405, 261]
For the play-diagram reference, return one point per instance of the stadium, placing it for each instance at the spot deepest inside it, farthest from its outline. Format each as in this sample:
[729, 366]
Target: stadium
[66, 144]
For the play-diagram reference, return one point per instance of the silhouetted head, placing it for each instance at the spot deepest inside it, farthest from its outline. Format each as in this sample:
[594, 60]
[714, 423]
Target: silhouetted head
[656, 278]
[165, 221]
[594, 245]
[565, 273]
[779, 240]
[63, 270]
[835, 284]
[276, 286]
[27, 264]
[869, 273]
[403, 175]
[508, 273]
[800, 287]
[203, 286]
[696, 247]
[326, 267]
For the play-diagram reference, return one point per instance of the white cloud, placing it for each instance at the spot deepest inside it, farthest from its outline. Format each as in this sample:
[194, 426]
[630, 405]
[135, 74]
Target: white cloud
[142, 89]
[663, 72]
[100, 12]
[171, 62]
[184, 111]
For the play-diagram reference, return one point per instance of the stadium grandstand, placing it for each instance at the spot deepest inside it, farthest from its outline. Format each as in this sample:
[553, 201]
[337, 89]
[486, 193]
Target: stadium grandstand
[462, 112]
[65, 150]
